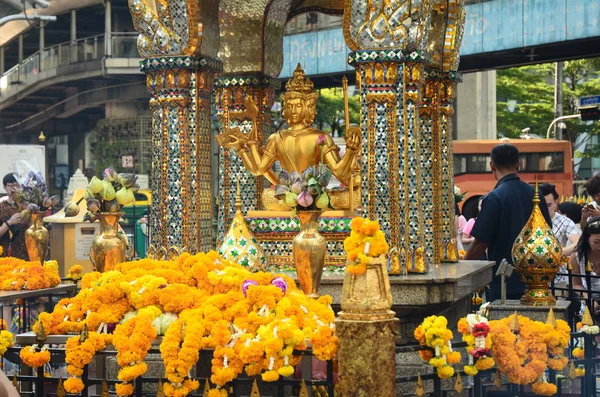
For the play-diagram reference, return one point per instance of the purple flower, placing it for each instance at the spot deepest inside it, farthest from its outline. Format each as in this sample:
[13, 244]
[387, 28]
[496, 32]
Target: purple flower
[280, 283]
[246, 284]
[305, 199]
[321, 140]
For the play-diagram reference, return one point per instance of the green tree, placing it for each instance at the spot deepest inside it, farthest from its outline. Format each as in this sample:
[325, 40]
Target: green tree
[330, 111]
[525, 98]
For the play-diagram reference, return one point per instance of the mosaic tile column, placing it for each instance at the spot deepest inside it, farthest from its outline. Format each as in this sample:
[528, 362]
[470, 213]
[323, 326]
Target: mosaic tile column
[178, 87]
[429, 112]
[233, 91]
[447, 224]
[390, 89]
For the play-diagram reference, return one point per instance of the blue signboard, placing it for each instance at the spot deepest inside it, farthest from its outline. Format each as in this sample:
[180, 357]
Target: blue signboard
[589, 101]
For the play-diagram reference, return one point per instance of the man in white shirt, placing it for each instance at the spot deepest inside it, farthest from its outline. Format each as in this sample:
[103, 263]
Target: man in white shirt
[563, 228]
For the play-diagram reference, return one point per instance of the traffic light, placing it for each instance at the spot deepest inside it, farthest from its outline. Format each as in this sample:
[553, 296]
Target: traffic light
[589, 113]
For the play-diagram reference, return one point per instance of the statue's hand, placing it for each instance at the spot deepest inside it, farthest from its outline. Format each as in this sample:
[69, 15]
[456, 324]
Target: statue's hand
[353, 138]
[232, 139]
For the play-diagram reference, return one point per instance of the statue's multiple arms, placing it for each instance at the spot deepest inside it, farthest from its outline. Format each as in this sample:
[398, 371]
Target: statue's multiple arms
[343, 168]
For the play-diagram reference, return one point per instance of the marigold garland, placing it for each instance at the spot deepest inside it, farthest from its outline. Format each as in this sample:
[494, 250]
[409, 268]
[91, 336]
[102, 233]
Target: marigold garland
[475, 330]
[75, 272]
[434, 334]
[543, 388]
[366, 241]
[34, 358]
[198, 302]
[6, 341]
[17, 274]
[524, 357]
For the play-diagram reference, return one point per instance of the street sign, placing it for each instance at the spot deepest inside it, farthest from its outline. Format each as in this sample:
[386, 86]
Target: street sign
[127, 161]
[589, 100]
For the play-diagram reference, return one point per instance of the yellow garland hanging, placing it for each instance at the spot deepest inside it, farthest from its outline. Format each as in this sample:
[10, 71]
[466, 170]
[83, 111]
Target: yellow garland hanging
[34, 358]
[366, 241]
[475, 332]
[255, 329]
[523, 358]
[6, 341]
[434, 334]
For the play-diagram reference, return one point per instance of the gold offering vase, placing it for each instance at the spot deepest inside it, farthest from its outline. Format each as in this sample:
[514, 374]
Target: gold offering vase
[109, 247]
[37, 238]
[309, 249]
[367, 296]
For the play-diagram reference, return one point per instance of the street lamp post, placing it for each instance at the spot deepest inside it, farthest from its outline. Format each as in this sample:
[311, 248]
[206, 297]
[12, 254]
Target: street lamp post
[556, 120]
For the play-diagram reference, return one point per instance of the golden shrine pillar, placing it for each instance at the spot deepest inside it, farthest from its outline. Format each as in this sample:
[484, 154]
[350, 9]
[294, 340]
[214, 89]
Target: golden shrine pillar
[180, 67]
[231, 93]
[436, 130]
[389, 54]
[181, 214]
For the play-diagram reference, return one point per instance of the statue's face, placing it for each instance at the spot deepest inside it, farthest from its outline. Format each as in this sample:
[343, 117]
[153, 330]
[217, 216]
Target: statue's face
[295, 111]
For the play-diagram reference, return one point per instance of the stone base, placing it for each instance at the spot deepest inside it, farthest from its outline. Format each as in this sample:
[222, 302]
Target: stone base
[367, 357]
[497, 310]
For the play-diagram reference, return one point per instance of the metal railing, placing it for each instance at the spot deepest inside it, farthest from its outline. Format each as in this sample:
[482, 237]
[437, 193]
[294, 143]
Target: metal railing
[123, 45]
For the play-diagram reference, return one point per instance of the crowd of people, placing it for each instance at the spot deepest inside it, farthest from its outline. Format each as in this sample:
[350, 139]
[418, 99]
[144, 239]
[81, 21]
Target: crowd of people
[504, 211]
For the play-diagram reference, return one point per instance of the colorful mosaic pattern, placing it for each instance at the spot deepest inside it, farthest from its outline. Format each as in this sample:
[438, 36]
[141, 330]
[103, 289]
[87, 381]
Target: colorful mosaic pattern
[233, 90]
[400, 24]
[239, 244]
[182, 207]
[280, 225]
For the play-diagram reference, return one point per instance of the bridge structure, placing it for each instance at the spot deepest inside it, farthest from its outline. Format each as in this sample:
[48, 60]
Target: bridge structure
[65, 76]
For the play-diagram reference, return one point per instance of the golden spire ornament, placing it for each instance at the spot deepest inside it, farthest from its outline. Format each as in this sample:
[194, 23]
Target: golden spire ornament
[303, 390]
[587, 317]
[572, 372]
[420, 391]
[239, 244]
[60, 389]
[254, 392]
[551, 319]
[514, 323]
[537, 255]
[458, 384]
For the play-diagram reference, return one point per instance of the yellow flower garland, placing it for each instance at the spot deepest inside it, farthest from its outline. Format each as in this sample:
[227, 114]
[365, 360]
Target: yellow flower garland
[523, 358]
[34, 358]
[475, 332]
[6, 341]
[366, 241]
[253, 330]
[434, 334]
[17, 274]
[75, 272]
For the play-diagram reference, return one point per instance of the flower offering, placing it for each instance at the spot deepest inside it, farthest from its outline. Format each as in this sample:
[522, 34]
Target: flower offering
[366, 240]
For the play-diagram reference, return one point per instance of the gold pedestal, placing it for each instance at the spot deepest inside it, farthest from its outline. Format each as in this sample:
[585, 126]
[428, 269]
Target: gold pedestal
[367, 357]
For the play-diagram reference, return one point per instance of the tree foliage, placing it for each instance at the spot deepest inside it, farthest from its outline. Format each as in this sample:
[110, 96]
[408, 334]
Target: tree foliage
[525, 98]
[330, 110]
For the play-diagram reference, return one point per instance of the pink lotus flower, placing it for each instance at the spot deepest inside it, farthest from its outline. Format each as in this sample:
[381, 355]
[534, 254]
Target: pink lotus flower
[305, 199]
[321, 140]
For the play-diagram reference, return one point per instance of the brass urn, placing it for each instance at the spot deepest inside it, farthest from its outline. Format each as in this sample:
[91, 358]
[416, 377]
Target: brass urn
[109, 247]
[537, 256]
[309, 248]
[37, 238]
[367, 296]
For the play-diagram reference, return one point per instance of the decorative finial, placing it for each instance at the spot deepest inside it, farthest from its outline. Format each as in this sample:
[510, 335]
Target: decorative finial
[254, 392]
[238, 198]
[572, 372]
[206, 388]
[587, 317]
[160, 392]
[514, 323]
[105, 392]
[536, 195]
[458, 385]
[15, 383]
[498, 380]
[551, 319]
[40, 335]
[420, 391]
[84, 334]
[303, 390]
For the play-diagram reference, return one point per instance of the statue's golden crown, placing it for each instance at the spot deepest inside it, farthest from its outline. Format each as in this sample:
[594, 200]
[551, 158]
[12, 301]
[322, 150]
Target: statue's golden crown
[299, 82]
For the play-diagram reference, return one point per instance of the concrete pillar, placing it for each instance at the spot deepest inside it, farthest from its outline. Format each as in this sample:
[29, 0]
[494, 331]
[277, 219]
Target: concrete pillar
[20, 48]
[107, 28]
[476, 106]
[42, 38]
[73, 26]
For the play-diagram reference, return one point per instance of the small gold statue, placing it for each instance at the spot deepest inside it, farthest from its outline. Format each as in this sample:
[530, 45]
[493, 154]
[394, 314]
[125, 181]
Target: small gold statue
[300, 146]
